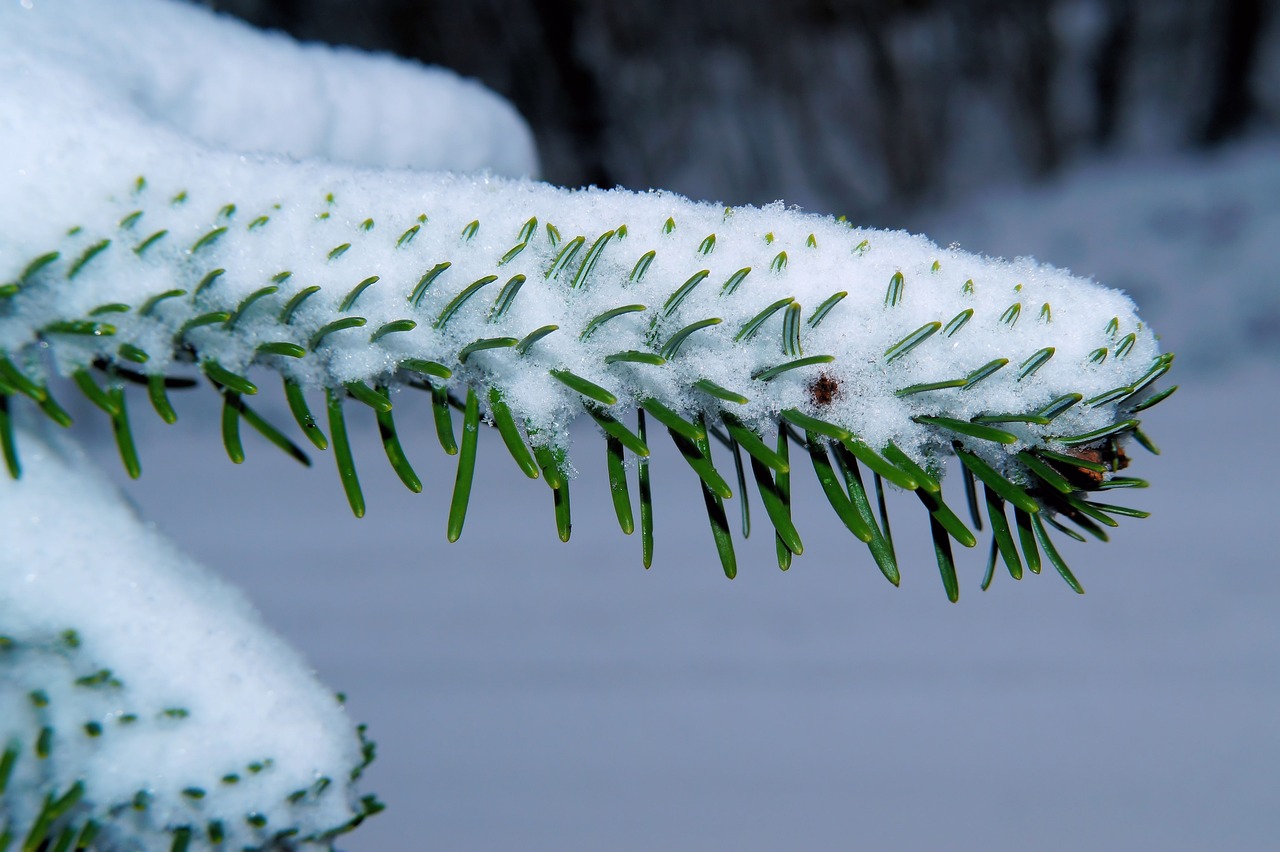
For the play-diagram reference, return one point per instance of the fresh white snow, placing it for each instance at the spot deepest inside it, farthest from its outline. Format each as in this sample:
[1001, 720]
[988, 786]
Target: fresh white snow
[216, 80]
[168, 685]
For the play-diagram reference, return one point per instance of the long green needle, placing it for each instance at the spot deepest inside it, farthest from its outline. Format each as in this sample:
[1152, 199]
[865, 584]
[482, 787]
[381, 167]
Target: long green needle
[231, 426]
[332, 327]
[1072, 462]
[459, 300]
[391, 443]
[777, 504]
[714, 502]
[673, 301]
[672, 347]
[672, 420]
[646, 497]
[710, 387]
[124, 434]
[1000, 531]
[522, 345]
[701, 464]
[393, 327]
[1045, 473]
[1065, 530]
[547, 464]
[600, 319]
[288, 350]
[12, 376]
[426, 368]
[752, 443]
[225, 377]
[813, 424]
[7, 443]
[424, 283]
[880, 550]
[302, 414]
[884, 514]
[943, 514]
[1027, 538]
[973, 430]
[880, 466]
[911, 341]
[946, 561]
[443, 418]
[635, 356]
[778, 507]
[618, 484]
[589, 262]
[615, 429]
[510, 432]
[159, 396]
[990, 573]
[370, 397]
[831, 488]
[773, 372]
[1154, 400]
[560, 496]
[1056, 558]
[466, 465]
[901, 460]
[587, 388]
[342, 451]
[781, 547]
[971, 496]
[1098, 434]
[270, 432]
[744, 505]
[95, 394]
[1006, 489]
[752, 326]
[1125, 511]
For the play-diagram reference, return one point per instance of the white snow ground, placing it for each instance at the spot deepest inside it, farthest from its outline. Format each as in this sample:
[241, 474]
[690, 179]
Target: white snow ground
[533, 695]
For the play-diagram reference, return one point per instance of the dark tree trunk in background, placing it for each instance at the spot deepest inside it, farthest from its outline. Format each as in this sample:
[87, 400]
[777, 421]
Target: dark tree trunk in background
[1231, 102]
[577, 97]
[863, 107]
[1114, 53]
[1034, 69]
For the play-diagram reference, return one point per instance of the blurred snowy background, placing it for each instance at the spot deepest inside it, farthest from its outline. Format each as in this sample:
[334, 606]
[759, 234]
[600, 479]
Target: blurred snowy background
[533, 695]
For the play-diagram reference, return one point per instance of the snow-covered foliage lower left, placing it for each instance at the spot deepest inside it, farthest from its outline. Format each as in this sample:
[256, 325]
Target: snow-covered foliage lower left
[142, 699]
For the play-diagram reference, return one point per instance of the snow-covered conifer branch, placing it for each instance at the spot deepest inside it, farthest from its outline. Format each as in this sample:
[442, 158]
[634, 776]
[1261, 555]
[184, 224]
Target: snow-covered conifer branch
[527, 306]
[157, 236]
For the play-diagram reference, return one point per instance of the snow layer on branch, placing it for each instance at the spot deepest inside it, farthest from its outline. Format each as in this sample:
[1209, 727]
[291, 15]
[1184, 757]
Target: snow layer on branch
[76, 142]
[185, 687]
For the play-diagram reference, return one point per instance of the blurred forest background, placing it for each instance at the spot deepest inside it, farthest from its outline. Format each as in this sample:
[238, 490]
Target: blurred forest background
[862, 107]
